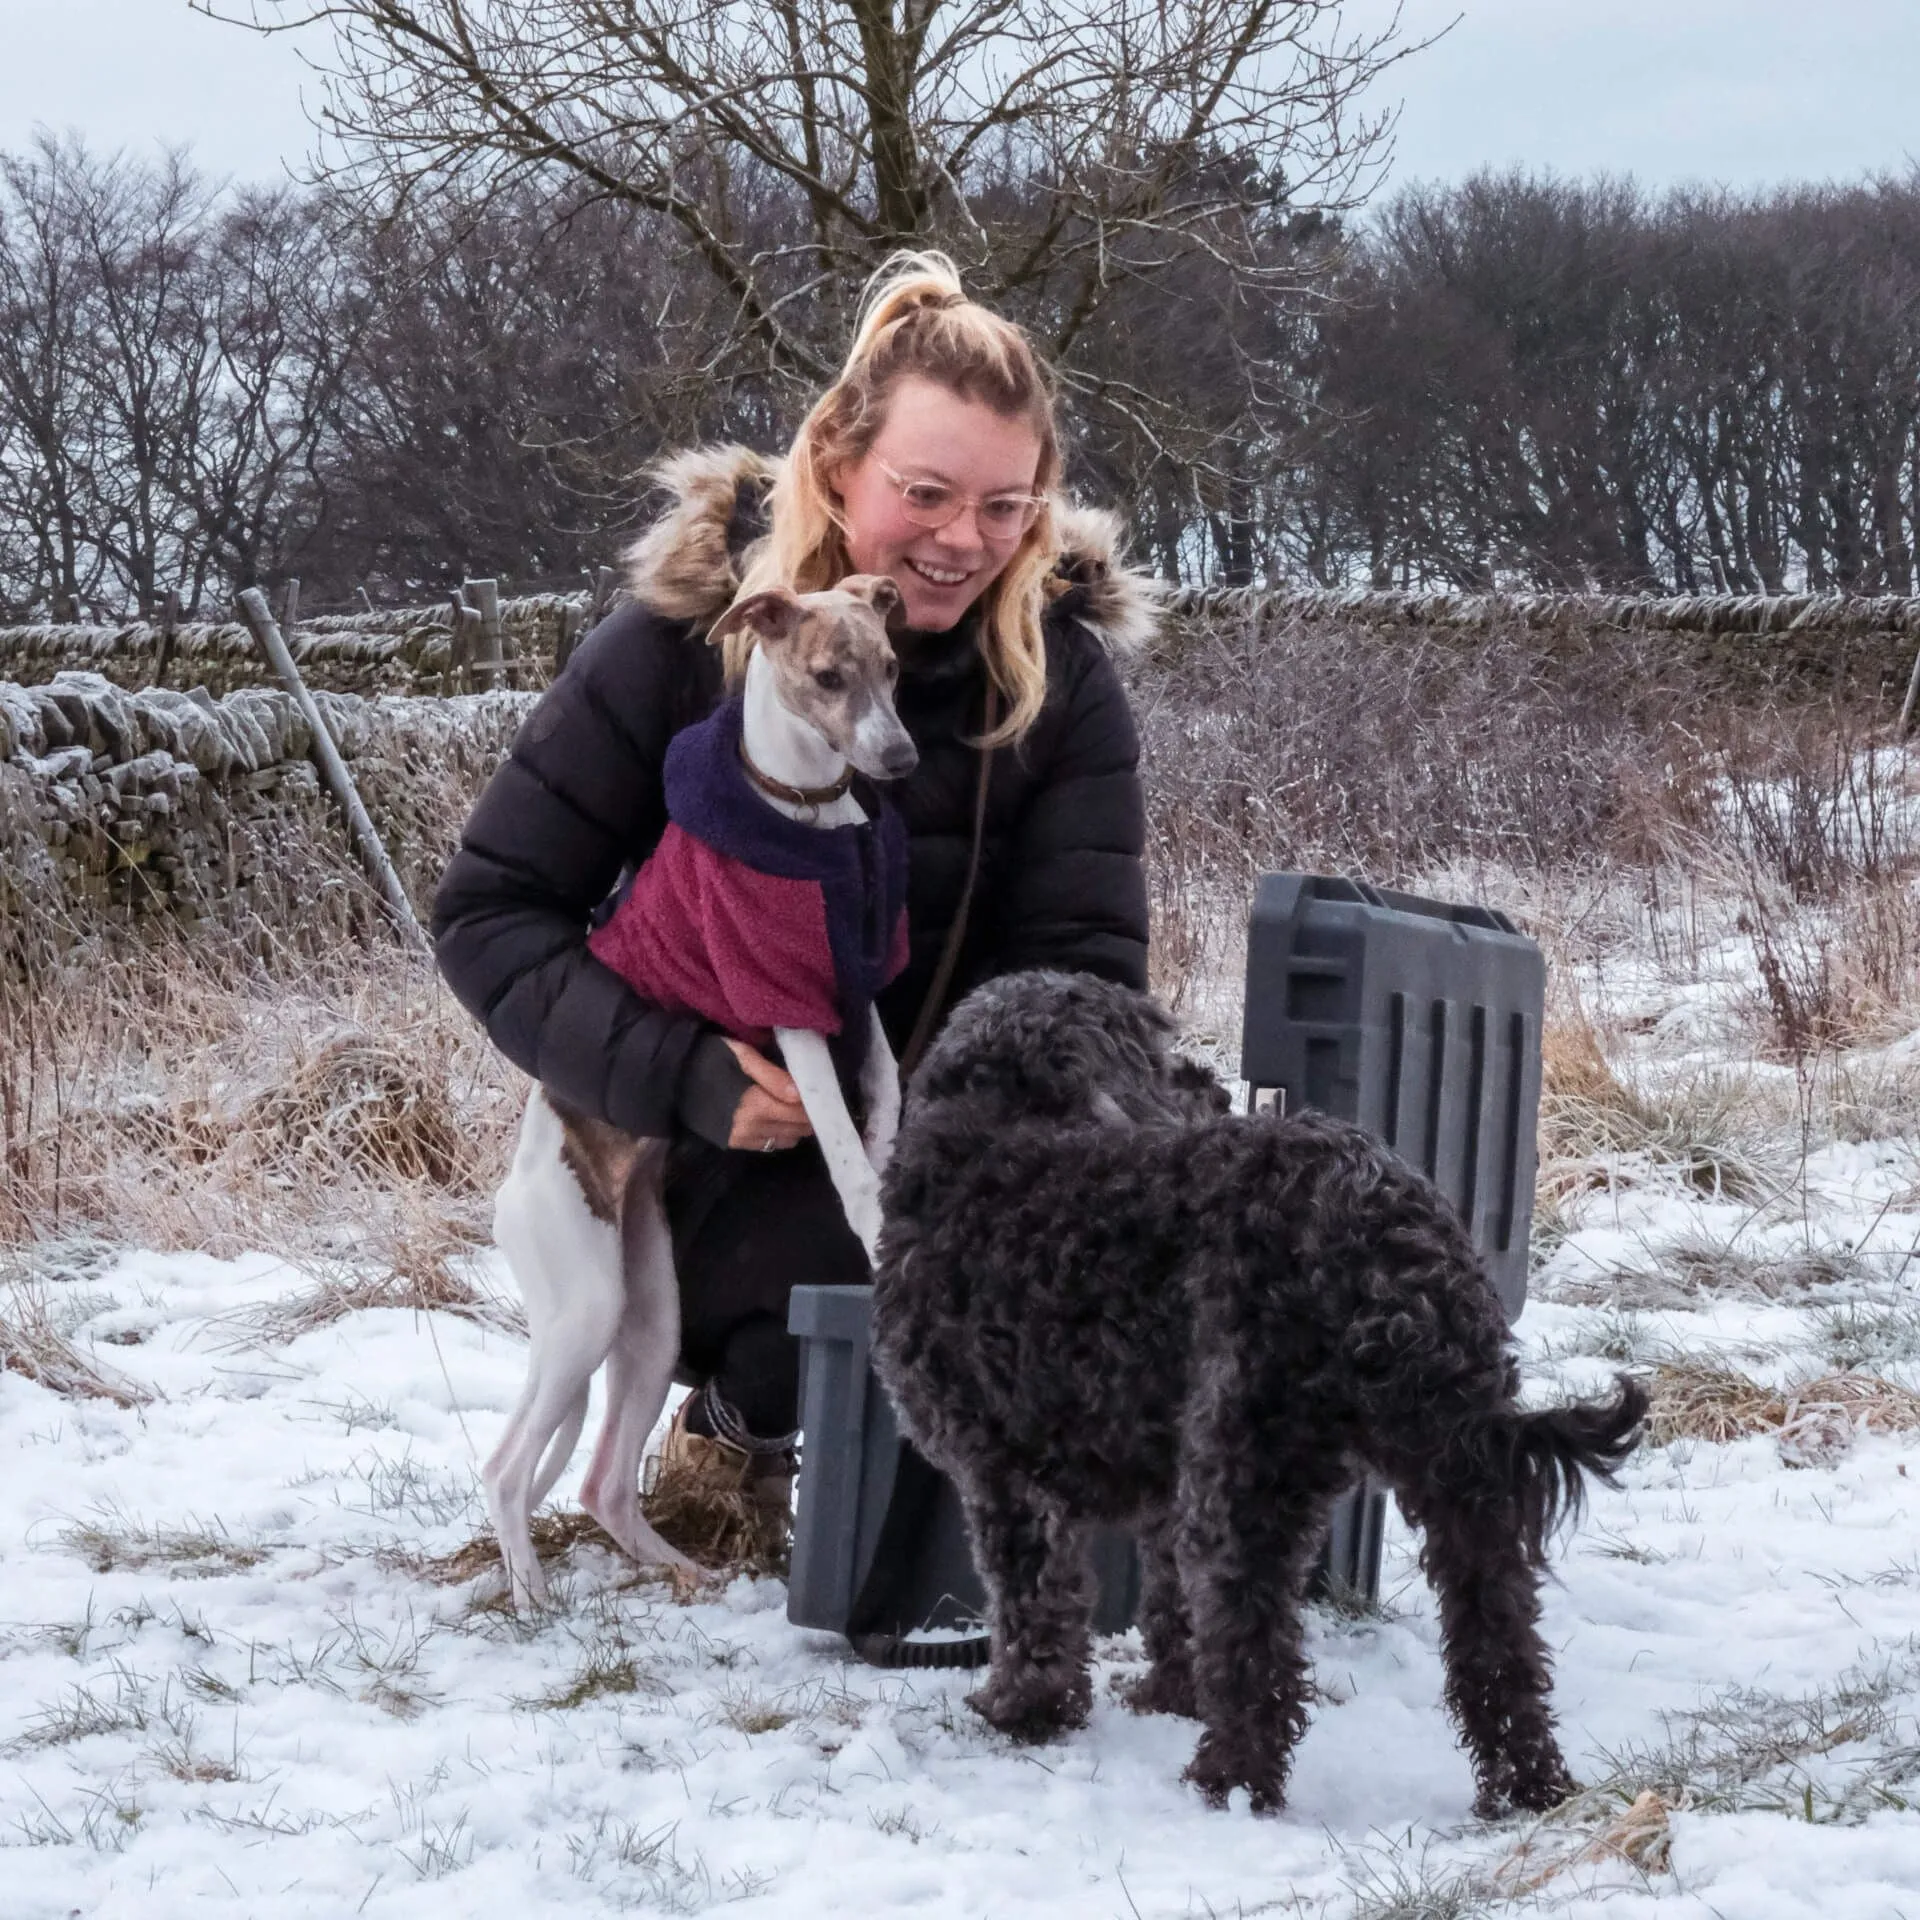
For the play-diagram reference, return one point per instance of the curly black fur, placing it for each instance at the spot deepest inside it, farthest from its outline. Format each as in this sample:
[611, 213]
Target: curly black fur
[1103, 1298]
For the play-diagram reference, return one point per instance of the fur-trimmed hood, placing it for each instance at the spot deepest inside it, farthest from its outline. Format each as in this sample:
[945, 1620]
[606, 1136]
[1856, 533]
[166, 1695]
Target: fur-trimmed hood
[688, 564]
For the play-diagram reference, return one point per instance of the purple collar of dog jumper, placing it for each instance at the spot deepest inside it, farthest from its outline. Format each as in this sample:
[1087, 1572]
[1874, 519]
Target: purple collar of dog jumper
[861, 870]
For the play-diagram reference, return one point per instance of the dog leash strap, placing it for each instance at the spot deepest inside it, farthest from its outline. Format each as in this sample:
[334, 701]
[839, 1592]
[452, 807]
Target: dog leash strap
[930, 1008]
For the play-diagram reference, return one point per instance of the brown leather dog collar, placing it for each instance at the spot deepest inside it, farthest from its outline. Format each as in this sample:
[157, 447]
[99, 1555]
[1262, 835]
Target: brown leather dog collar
[796, 796]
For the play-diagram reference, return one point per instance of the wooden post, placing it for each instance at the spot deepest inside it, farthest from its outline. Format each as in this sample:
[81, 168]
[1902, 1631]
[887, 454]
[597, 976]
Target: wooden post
[491, 662]
[290, 610]
[466, 631]
[1913, 698]
[571, 617]
[373, 856]
[169, 631]
[603, 585]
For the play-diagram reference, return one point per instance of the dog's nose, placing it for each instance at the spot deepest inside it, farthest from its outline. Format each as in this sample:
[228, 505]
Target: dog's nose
[900, 760]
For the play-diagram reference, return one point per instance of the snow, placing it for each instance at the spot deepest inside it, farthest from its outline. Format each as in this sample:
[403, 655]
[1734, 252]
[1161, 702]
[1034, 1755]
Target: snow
[228, 1685]
[293, 1722]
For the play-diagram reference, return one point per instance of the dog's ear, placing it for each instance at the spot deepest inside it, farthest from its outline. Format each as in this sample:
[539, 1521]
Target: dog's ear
[881, 593]
[1197, 1085]
[770, 616]
[1053, 1046]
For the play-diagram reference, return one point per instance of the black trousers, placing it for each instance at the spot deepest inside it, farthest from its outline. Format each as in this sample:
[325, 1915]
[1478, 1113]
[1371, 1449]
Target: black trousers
[747, 1229]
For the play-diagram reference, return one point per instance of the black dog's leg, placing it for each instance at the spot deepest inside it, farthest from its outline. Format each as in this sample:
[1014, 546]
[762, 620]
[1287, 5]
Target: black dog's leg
[1498, 1667]
[1167, 1686]
[1254, 1497]
[1040, 1597]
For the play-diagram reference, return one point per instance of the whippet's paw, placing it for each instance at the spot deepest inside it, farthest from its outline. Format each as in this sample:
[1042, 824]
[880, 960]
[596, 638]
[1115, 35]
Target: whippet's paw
[527, 1584]
[691, 1583]
[627, 1528]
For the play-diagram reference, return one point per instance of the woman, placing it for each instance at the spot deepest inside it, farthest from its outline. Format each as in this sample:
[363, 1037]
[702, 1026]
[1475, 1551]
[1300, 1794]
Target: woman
[934, 458]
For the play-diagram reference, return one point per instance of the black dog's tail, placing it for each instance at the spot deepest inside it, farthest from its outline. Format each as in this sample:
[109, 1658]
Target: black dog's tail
[1549, 1453]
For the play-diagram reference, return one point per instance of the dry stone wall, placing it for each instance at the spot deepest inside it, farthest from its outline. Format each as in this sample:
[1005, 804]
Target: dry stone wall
[126, 804]
[1863, 642]
[1784, 637]
[403, 650]
[118, 807]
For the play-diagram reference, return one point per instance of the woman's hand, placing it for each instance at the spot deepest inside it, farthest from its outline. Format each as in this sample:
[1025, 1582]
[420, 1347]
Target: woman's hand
[769, 1114]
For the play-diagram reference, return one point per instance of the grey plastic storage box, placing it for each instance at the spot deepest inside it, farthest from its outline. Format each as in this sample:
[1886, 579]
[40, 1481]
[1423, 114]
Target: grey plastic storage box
[1418, 1021]
[879, 1541]
[1421, 1022]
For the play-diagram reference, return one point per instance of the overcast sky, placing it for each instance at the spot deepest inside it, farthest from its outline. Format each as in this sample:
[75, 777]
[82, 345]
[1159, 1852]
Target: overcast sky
[1744, 92]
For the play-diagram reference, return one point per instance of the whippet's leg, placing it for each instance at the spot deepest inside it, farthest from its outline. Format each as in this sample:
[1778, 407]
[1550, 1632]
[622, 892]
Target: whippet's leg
[559, 1451]
[853, 1176]
[566, 1262]
[880, 1093]
[639, 1372]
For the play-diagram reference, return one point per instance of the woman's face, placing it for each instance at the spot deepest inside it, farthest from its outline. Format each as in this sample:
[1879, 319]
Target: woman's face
[931, 433]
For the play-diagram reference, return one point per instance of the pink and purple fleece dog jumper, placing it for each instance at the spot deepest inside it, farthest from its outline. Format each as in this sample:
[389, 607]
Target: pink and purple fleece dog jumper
[754, 921]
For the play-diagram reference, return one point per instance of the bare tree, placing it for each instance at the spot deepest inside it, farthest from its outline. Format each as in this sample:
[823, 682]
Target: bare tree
[48, 430]
[287, 310]
[1065, 151]
[143, 231]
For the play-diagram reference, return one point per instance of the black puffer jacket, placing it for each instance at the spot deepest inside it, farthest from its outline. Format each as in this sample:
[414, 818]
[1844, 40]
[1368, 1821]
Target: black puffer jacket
[580, 799]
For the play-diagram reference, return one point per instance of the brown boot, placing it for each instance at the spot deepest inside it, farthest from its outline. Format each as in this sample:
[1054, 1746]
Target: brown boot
[725, 1505]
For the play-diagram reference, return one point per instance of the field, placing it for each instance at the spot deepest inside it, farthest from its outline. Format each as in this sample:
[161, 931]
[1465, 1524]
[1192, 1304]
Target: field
[253, 1657]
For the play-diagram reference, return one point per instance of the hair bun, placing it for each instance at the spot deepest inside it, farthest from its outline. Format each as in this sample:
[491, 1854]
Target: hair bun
[904, 285]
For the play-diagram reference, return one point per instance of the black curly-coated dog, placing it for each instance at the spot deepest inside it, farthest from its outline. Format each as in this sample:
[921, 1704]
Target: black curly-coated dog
[1101, 1297]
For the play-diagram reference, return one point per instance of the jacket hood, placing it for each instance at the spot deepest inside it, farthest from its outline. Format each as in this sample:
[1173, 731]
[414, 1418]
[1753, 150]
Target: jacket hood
[688, 564]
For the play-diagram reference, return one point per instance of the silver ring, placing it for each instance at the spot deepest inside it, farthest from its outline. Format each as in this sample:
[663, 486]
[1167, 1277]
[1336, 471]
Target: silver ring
[767, 1146]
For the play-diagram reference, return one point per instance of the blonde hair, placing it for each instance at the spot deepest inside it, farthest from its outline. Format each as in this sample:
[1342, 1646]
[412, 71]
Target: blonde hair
[916, 320]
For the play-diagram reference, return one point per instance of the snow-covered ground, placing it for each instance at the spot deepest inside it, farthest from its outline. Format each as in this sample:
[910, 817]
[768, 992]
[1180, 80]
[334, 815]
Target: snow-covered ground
[232, 1684]
[227, 1686]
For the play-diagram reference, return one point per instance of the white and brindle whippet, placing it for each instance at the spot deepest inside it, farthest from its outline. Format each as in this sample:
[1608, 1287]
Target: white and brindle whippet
[580, 1216]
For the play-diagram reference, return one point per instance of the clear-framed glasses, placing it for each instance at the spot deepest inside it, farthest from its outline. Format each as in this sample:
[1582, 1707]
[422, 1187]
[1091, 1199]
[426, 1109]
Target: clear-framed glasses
[932, 504]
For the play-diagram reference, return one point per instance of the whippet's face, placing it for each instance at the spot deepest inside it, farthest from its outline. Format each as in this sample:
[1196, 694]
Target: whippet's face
[834, 667]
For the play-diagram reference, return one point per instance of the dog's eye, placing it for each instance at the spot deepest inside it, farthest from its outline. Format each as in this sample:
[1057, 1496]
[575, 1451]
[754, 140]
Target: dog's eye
[830, 680]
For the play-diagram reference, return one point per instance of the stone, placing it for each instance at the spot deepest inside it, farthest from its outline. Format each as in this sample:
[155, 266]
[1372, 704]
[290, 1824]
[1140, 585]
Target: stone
[56, 730]
[104, 718]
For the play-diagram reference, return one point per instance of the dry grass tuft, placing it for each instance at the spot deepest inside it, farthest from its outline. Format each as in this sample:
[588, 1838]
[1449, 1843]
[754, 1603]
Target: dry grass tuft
[413, 1272]
[366, 1103]
[718, 1528]
[605, 1673]
[1876, 1100]
[1574, 1069]
[1695, 1401]
[1639, 1835]
[1681, 1275]
[201, 1552]
[1816, 1421]
[1838, 976]
[33, 1343]
[721, 1530]
[1748, 1751]
[1589, 1117]
[200, 1095]
[555, 1535]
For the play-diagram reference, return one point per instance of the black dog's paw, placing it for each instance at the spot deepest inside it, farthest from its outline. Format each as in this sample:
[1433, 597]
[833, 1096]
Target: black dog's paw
[1161, 1689]
[1222, 1762]
[1537, 1789]
[1033, 1707]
